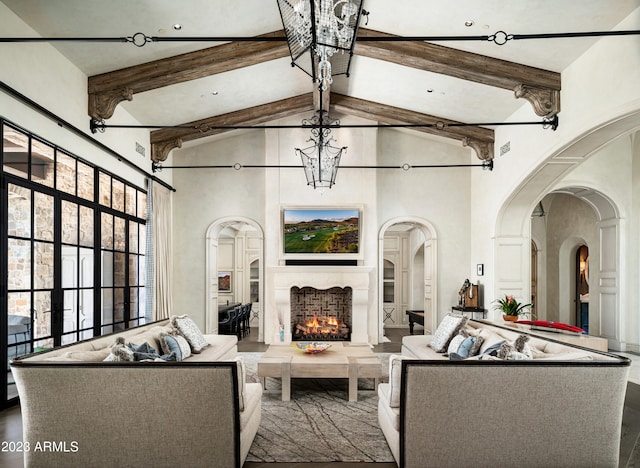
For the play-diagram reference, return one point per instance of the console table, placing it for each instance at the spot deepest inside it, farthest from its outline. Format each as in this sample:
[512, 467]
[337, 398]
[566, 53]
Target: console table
[415, 316]
[476, 313]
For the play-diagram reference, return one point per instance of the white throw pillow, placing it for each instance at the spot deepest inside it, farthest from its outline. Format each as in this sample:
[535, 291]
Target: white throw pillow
[455, 343]
[188, 328]
[450, 325]
[395, 376]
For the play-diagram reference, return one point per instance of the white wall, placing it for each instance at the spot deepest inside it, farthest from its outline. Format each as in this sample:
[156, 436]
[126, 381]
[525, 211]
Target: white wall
[600, 102]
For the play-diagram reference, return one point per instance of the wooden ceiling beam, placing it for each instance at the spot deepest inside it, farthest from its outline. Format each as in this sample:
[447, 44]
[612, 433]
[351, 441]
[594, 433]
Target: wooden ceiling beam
[540, 87]
[163, 141]
[479, 138]
[107, 90]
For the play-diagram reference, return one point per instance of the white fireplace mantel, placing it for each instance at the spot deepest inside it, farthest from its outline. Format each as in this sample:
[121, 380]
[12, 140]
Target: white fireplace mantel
[321, 277]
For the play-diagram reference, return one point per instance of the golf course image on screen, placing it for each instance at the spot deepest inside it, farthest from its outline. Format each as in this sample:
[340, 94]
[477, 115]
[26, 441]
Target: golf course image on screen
[321, 231]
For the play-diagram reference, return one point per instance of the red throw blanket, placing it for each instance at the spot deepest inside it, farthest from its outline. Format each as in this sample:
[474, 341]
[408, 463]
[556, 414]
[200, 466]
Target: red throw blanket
[548, 324]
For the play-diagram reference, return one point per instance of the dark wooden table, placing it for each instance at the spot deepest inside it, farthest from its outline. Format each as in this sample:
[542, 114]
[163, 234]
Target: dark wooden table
[415, 316]
[474, 312]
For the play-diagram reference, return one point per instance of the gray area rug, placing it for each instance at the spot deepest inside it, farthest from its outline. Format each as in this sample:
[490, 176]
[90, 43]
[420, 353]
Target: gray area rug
[319, 424]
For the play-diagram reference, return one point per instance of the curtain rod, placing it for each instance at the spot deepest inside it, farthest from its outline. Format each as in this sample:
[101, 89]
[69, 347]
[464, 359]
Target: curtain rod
[64, 124]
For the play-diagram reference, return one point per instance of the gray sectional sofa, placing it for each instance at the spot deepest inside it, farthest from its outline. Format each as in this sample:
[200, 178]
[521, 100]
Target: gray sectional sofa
[197, 412]
[560, 405]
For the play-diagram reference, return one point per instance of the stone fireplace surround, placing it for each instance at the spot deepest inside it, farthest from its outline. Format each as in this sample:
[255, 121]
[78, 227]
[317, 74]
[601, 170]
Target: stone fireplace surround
[320, 277]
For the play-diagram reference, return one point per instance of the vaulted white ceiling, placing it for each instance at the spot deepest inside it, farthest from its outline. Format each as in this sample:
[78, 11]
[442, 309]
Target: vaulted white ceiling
[371, 79]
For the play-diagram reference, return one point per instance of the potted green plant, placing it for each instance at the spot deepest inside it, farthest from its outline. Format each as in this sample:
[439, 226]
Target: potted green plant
[511, 308]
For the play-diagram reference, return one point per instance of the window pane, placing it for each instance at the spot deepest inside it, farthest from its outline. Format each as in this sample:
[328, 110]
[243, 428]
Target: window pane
[86, 268]
[42, 163]
[43, 216]
[70, 310]
[133, 236]
[86, 226]
[18, 325]
[86, 311]
[105, 189]
[118, 195]
[118, 305]
[107, 231]
[19, 215]
[19, 304]
[142, 205]
[69, 267]
[85, 181]
[42, 313]
[69, 223]
[131, 200]
[43, 265]
[19, 263]
[107, 269]
[66, 173]
[118, 269]
[133, 303]
[133, 270]
[15, 147]
[119, 234]
[107, 306]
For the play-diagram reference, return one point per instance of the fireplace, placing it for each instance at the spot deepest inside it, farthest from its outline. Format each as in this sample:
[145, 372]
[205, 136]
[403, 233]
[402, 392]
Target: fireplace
[321, 314]
[281, 312]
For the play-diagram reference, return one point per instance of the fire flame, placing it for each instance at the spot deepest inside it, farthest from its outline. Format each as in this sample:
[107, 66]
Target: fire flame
[329, 325]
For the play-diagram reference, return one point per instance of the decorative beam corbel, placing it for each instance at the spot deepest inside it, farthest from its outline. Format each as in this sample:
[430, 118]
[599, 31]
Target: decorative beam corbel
[160, 150]
[483, 149]
[545, 101]
[102, 104]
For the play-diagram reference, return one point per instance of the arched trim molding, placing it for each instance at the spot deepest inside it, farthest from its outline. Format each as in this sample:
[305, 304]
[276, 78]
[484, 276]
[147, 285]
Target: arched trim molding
[430, 270]
[211, 253]
[513, 229]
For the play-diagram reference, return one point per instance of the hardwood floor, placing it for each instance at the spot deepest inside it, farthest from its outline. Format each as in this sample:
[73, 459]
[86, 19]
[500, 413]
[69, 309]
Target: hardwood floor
[11, 423]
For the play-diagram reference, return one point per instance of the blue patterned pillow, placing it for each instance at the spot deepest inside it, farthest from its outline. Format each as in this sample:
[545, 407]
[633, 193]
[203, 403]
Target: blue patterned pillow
[464, 349]
[175, 344]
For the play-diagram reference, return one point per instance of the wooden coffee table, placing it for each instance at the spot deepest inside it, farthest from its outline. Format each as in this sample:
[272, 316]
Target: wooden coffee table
[342, 360]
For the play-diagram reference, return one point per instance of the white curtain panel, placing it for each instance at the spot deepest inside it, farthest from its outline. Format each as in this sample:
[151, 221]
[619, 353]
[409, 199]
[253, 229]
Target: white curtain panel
[162, 251]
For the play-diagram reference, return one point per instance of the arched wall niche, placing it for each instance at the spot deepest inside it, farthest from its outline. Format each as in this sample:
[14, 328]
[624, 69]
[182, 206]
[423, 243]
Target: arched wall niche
[429, 253]
[254, 252]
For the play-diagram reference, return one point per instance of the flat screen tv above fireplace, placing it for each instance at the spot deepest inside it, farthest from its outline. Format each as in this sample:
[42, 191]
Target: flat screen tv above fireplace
[317, 232]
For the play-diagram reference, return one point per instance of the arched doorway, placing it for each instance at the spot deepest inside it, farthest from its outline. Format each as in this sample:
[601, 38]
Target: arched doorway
[582, 287]
[407, 273]
[235, 269]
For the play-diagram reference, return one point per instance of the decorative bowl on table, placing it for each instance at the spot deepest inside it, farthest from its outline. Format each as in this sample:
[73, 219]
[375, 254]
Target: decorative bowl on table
[311, 347]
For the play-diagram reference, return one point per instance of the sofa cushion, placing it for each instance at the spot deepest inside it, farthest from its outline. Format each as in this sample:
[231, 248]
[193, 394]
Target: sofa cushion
[188, 328]
[395, 375]
[176, 344]
[450, 325]
[82, 356]
[390, 414]
[242, 378]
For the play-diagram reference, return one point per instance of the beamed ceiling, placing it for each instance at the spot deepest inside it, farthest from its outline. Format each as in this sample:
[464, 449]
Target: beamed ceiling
[207, 87]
